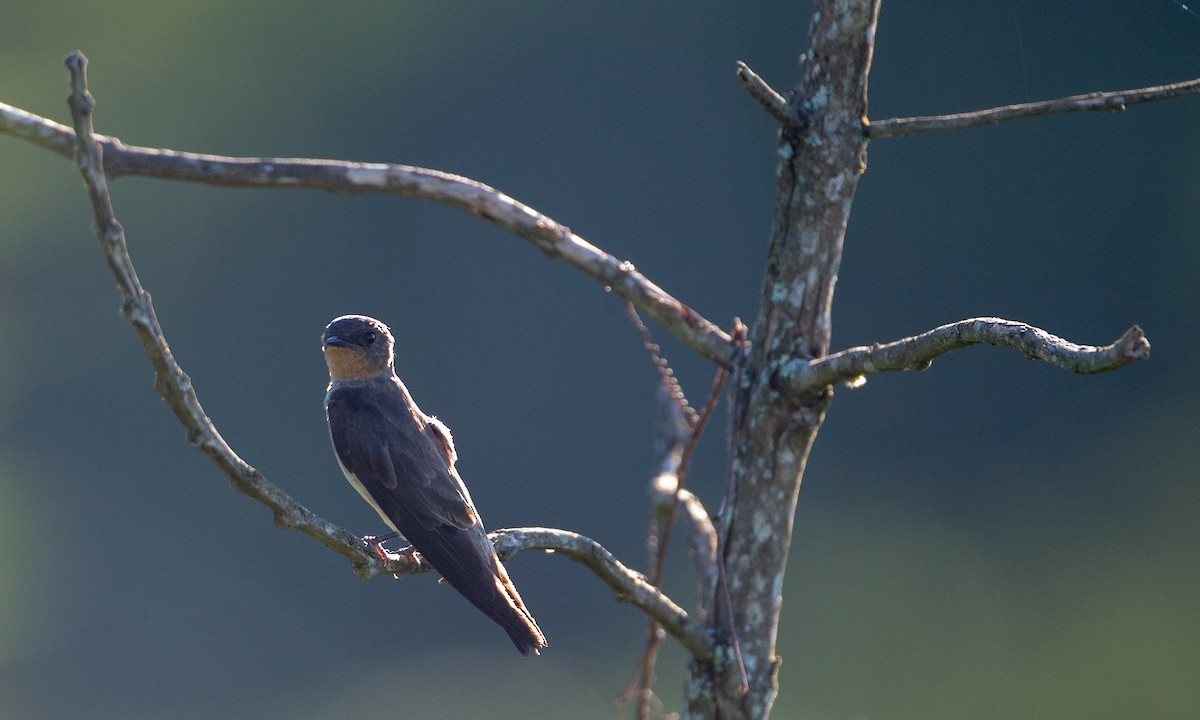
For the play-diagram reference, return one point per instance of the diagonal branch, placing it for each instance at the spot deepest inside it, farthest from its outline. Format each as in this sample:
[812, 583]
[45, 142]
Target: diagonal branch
[630, 586]
[801, 377]
[487, 203]
[170, 380]
[1100, 101]
[768, 97]
[176, 389]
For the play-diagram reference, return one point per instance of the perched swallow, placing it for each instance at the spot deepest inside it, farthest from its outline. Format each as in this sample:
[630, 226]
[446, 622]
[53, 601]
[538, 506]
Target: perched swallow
[402, 462]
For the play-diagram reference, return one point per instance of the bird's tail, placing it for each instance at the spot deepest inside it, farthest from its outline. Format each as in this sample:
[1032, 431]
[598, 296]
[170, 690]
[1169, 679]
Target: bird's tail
[517, 621]
[467, 560]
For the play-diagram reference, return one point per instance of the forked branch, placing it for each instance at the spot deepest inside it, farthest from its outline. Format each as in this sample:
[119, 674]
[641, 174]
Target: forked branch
[176, 389]
[917, 353]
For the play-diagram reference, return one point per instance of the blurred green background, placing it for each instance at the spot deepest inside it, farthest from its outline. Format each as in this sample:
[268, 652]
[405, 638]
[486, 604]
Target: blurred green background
[992, 538]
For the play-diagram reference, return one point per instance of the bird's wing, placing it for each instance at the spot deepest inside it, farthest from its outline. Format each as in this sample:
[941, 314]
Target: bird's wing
[399, 462]
[405, 460]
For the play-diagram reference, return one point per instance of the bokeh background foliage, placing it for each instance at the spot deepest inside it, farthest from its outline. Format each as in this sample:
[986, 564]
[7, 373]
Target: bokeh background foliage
[990, 539]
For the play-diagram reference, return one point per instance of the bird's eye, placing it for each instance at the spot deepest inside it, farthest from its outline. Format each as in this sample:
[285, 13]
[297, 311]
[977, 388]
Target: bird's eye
[370, 337]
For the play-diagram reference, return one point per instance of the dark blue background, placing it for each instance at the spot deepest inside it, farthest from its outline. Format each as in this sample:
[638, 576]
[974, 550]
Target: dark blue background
[991, 538]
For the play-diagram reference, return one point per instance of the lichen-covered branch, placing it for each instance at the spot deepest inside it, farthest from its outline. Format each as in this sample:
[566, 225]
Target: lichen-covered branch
[487, 203]
[176, 389]
[1113, 101]
[801, 377]
[819, 165]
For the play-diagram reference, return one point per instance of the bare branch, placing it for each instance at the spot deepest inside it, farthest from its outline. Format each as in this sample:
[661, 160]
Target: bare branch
[702, 540]
[766, 96]
[170, 380]
[1100, 101]
[670, 383]
[917, 353]
[551, 237]
[680, 496]
[675, 440]
[678, 428]
[176, 389]
[630, 586]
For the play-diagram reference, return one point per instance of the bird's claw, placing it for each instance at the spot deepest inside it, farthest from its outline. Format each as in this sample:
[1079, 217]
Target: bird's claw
[375, 542]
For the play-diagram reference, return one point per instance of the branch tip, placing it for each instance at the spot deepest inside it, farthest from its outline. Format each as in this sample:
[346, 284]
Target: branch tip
[1115, 101]
[767, 97]
[1134, 345]
[801, 377]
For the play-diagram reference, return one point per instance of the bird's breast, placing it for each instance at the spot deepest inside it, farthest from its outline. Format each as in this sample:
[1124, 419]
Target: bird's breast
[362, 490]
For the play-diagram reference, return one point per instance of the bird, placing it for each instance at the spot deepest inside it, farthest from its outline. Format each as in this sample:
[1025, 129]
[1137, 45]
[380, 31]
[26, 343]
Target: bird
[402, 463]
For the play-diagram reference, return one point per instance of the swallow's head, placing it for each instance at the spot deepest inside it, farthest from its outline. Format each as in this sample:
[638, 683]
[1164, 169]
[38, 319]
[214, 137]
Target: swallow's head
[357, 346]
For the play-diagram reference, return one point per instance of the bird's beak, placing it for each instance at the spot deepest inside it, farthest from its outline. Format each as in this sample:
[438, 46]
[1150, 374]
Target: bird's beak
[335, 341]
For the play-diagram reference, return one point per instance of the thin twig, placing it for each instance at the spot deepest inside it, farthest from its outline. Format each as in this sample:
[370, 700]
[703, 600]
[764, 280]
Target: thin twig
[551, 237]
[176, 389]
[654, 638]
[771, 101]
[679, 430]
[673, 429]
[674, 432]
[685, 462]
[702, 538]
[800, 377]
[669, 381]
[1098, 101]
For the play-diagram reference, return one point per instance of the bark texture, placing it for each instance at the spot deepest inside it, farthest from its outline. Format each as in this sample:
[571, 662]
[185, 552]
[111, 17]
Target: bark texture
[821, 158]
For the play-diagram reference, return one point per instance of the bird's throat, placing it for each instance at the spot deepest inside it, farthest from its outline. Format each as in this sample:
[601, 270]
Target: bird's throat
[347, 364]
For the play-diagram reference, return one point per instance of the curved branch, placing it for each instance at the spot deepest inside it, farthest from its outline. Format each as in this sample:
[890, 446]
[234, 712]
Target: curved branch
[1098, 101]
[176, 389]
[171, 382]
[675, 433]
[487, 203]
[917, 353]
[629, 586]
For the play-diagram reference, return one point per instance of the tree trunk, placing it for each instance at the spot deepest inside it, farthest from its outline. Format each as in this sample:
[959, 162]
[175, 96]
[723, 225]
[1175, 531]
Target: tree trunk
[821, 157]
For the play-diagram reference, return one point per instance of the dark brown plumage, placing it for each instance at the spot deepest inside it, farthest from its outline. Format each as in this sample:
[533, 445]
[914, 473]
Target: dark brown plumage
[402, 462]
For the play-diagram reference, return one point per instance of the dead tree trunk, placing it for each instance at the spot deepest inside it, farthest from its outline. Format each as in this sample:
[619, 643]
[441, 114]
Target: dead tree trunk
[822, 154]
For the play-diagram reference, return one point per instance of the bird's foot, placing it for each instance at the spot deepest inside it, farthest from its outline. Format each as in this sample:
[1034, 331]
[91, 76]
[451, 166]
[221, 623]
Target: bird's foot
[375, 542]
